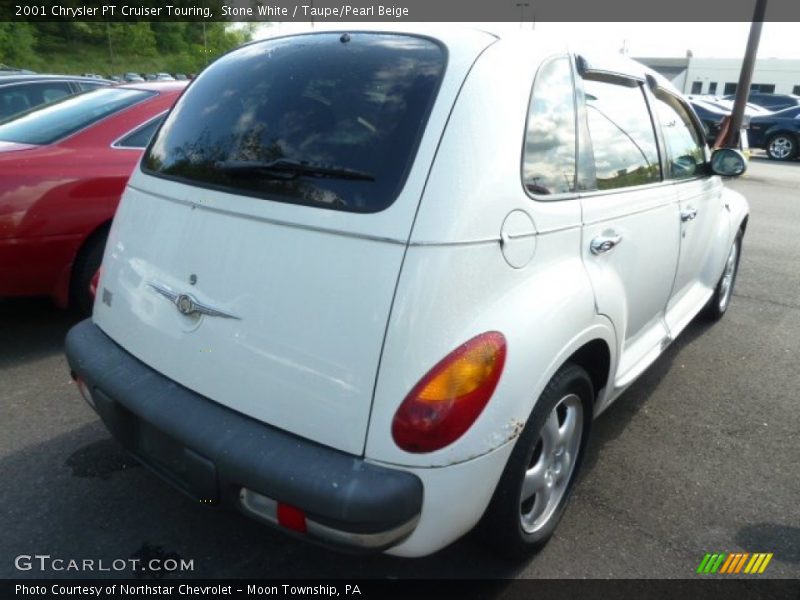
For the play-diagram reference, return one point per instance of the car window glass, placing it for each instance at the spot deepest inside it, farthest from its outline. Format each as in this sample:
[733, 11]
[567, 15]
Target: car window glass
[53, 122]
[623, 139]
[42, 93]
[13, 102]
[141, 137]
[326, 120]
[88, 85]
[548, 165]
[685, 149]
[54, 93]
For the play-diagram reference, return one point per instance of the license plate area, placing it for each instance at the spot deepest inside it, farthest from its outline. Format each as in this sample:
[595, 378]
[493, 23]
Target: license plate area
[191, 472]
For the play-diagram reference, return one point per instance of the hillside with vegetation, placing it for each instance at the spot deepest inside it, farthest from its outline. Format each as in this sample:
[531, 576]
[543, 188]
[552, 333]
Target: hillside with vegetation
[77, 47]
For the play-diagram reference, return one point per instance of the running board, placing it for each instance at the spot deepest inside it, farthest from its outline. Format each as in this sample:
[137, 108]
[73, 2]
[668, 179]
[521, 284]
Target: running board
[648, 359]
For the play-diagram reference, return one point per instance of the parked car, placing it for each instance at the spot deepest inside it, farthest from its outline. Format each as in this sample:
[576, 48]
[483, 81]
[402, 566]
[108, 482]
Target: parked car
[771, 102]
[133, 77]
[750, 109]
[180, 77]
[712, 112]
[164, 77]
[778, 133]
[7, 70]
[340, 296]
[62, 170]
[710, 116]
[19, 93]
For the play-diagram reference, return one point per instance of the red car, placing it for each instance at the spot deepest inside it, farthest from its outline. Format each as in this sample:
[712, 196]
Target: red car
[62, 171]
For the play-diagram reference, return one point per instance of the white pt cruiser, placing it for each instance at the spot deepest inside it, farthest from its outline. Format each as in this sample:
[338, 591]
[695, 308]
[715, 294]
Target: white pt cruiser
[372, 287]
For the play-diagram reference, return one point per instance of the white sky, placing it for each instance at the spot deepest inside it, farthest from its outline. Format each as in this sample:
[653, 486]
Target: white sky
[707, 40]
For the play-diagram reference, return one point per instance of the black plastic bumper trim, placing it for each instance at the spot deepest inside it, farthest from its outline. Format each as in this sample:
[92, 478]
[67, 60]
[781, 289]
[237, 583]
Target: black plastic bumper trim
[225, 450]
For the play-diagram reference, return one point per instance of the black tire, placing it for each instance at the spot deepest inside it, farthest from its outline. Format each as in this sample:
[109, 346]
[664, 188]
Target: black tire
[716, 308]
[781, 146]
[501, 526]
[86, 264]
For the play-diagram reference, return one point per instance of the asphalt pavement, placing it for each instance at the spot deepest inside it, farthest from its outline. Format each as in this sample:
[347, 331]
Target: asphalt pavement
[700, 455]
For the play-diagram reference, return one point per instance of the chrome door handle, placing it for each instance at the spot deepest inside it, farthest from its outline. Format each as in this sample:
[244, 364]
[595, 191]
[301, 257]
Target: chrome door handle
[604, 243]
[687, 214]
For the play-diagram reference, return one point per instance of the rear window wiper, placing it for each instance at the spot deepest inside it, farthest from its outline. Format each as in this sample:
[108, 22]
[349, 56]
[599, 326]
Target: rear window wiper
[286, 168]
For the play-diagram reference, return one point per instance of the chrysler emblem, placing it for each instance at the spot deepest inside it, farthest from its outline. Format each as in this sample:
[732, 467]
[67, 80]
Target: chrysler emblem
[186, 304]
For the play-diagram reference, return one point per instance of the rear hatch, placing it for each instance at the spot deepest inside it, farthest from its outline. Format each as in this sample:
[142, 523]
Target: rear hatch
[254, 256]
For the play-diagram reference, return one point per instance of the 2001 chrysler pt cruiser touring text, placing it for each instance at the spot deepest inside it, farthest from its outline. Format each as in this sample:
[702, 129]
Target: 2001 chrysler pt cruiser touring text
[373, 287]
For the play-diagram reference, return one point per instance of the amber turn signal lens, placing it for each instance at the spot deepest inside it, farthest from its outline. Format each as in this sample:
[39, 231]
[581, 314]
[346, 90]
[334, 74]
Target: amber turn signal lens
[448, 400]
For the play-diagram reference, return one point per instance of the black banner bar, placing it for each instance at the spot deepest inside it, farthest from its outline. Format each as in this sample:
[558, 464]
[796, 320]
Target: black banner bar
[396, 10]
[465, 589]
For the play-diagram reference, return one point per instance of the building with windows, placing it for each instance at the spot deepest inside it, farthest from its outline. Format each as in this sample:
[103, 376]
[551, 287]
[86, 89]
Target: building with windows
[720, 76]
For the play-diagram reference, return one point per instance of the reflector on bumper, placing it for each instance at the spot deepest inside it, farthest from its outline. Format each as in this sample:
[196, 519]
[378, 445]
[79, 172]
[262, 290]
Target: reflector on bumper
[268, 510]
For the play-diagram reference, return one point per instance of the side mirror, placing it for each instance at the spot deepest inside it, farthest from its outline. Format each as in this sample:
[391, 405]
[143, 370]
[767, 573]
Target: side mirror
[728, 162]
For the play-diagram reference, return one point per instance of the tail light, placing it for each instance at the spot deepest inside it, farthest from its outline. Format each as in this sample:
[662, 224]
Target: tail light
[94, 281]
[448, 400]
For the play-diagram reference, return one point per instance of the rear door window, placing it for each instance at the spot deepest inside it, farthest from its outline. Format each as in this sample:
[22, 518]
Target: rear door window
[327, 120]
[623, 138]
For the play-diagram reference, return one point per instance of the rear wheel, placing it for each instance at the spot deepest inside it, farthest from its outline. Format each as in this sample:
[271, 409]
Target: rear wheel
[536, 484]
[782, 146]
[86, 265]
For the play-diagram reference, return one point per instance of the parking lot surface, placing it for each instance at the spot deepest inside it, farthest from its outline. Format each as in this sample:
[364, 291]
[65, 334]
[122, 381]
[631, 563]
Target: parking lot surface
[699, 455]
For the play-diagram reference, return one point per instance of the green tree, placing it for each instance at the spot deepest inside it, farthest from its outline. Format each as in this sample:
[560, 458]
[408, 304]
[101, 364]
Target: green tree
[17, 42]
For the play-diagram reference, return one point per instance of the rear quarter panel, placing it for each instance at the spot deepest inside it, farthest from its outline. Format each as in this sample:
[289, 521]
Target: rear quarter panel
[447, 296]
[455, 282]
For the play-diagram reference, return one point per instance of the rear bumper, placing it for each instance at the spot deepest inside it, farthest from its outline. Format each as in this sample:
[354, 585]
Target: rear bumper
[217, 455]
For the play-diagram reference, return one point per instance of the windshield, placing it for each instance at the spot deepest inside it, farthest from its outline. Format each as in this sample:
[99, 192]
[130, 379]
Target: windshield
[56, 121]
[331, 104]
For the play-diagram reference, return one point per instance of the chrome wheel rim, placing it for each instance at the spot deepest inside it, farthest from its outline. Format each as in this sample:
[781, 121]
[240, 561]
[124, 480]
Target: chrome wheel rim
[552, 463]
[726, 285]
[781, 147]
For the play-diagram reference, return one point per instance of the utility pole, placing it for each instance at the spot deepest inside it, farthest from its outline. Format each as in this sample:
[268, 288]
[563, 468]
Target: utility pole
[110, 49]
[731, 139]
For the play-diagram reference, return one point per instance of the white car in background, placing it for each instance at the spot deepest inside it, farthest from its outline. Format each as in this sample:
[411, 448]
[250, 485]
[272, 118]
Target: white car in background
[372, 288]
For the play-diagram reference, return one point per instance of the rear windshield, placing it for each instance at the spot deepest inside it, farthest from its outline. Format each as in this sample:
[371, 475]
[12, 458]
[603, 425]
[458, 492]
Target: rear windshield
[53, 122]
[328, 120]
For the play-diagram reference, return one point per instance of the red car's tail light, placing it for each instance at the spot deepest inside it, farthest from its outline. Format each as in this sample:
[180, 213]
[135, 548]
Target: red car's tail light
[448, 400]
[94, 282]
